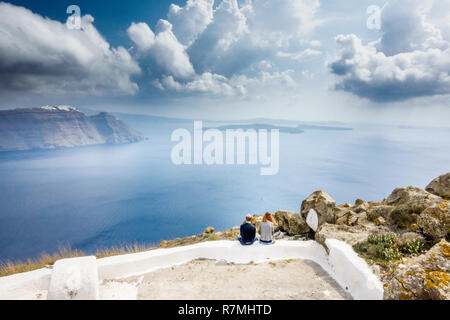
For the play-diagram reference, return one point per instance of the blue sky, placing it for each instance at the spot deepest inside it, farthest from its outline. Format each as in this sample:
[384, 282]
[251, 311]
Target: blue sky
[229, 59]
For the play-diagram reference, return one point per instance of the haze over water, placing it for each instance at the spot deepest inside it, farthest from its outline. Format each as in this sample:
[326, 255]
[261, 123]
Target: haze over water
[103, 196]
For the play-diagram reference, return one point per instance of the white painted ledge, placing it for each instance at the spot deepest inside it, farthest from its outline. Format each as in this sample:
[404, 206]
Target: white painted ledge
[25, 286]
[350, 272]
[74, 279]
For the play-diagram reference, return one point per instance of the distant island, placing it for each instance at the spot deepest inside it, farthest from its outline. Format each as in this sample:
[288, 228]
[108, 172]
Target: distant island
[257, 127]
[51, 127]
[284, 129]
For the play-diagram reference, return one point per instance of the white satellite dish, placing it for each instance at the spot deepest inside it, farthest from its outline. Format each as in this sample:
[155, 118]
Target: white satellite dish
[312, 220]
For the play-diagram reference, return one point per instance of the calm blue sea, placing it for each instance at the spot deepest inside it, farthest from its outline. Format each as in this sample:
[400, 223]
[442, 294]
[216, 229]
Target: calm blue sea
[102, 196]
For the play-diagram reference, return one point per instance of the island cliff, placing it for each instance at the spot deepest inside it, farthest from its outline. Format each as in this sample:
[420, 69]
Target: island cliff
[53, 127]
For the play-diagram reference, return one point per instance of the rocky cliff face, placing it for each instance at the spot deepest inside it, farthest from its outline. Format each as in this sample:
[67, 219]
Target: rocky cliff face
[55, 127]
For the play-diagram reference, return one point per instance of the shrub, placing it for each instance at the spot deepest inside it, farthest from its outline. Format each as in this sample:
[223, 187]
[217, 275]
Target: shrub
[413, 247]
[388, 247]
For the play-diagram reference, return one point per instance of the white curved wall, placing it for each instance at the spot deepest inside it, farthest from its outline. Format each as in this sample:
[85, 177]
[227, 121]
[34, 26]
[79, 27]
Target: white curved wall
[349, 271]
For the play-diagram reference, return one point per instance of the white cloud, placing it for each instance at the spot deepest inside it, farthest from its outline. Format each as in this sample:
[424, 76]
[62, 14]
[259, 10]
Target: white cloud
[301, 55]
[43, 56]
[163, 47]
[215, 49]
[190, 21]
[277, 22]
[141, 35]
[406, 29]
[240, 35]
[240, 85]
[219, 49]
[411, 59]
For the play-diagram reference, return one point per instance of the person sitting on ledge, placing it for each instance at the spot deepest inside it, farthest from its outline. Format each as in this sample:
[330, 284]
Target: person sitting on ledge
[266, 229]
[248, 232]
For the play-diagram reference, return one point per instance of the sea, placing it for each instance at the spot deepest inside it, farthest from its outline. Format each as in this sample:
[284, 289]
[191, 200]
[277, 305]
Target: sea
[97, 197]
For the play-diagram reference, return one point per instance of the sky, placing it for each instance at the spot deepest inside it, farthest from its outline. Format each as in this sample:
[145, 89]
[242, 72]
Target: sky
[309, 60]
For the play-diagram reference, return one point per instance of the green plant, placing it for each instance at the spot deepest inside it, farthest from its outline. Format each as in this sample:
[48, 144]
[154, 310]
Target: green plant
[413, 247]
[387, 239]
[385, 248]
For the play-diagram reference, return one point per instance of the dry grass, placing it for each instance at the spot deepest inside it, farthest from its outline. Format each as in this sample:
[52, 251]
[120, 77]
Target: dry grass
[117, 251]
[9, 267]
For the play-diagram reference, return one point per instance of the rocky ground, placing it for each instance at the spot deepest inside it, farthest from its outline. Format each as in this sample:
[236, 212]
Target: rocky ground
[403, 237]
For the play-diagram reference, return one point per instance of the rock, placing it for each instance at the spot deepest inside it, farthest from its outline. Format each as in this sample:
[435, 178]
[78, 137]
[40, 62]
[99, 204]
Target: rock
[291, 222]
[340, 212]
[163, 244]
[413, 197]
[409, 202]
[422, 278]
[409, 237]
[362, 207]
[345, 216]
[208, 230]
[222, 263]
[342, 221]
[440, 186]
[256, 220]
[435, 221]
[279, 235]
[323, 204]
[359, 202]
[380, 211]
[350, 235]
[353, 219]
[362, 218]
[380, 221]
[345, 205]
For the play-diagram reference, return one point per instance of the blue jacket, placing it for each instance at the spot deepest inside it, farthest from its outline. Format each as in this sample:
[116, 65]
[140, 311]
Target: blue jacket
[248, 232]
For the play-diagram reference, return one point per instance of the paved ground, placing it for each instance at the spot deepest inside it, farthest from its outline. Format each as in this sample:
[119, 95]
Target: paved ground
[205, 279]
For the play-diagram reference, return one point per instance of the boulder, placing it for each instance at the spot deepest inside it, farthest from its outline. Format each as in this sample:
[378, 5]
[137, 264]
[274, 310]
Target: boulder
[350, 235]
[422, 278]
[362, 218]
[413, 197]
[323, 204]
[362, 207]
[291, 222]
[409, 237]
[382, 211]
[208, 230]
[353, 219]
[409, 202]
[440, 186]
[342, 214]
[256, 220]
[380, 221]
[435, 221]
